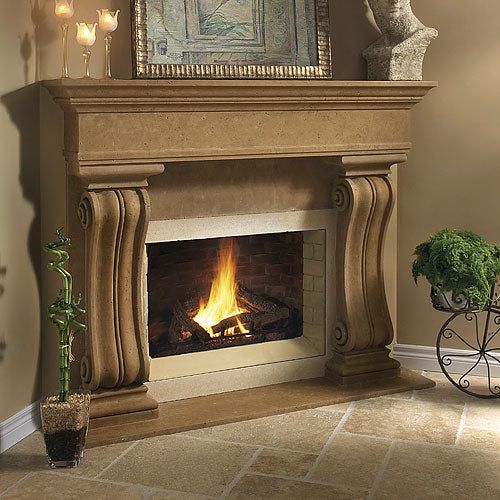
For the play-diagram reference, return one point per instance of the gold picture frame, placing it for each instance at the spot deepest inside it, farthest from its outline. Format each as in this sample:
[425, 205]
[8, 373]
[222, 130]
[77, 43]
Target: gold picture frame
[148, 52]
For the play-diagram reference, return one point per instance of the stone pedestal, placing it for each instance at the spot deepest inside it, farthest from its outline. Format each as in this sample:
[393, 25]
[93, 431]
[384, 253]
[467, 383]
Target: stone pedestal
[364, 200]
[116, 360]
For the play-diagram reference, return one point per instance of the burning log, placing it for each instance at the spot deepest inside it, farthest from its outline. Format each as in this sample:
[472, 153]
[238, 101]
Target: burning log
[181, 319]
[252, 320]
[256, 303]
[269, 318]
[246, 319]
[262, 312]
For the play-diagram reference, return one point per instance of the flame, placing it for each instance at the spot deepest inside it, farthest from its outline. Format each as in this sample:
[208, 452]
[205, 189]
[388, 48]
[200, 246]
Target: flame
[222, 302]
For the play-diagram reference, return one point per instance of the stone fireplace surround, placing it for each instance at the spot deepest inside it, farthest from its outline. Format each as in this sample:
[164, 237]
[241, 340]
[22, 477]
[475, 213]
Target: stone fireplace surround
[338, 139]
[202, 373]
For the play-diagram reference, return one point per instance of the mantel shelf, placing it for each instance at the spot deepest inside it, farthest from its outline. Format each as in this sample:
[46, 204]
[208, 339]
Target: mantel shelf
[89, 95]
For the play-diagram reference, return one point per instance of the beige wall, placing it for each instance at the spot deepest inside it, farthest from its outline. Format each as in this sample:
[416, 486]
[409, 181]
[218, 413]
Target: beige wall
[19, 233]
[453, 175]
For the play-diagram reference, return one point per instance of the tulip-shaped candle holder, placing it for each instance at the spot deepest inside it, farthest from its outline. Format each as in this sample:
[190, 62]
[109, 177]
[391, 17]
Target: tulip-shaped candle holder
[108, 22]
[85, 36]
[64, 10]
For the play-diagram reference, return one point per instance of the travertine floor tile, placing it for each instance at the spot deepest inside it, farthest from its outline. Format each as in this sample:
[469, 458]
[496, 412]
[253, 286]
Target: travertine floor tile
[413, 420]
[480, 439]
[302, 431]
[176, 495]
[179, 462]
[480, 385]
[283, 463]
[343, 407]
[29, 454]
[484, 413]
[251, 487]
[96, 459]
[420, 471]
[444, 392]
[198, 465]
[400, 395]
[352, 460]
[8, 477]
[50, 486]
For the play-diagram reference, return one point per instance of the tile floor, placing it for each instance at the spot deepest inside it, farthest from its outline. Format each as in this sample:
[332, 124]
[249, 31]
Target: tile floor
[431, 444]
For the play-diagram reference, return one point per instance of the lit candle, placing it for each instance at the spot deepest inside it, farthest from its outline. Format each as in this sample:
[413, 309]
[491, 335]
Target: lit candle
[86, 34]
[64, 9]
[108, 21]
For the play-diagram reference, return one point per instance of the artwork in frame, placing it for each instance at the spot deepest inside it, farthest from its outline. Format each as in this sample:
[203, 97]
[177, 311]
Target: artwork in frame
[231, 39]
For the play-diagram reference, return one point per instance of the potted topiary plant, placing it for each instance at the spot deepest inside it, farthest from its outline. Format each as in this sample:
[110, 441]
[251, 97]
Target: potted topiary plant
[461, 268]
[65, 417]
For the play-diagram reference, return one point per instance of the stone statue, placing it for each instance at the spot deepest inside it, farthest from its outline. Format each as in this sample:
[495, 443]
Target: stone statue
[399, 53]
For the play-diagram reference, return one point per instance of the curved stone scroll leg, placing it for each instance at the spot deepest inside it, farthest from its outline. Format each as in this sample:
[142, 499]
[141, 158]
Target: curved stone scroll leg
[116, 363]
[364, 199]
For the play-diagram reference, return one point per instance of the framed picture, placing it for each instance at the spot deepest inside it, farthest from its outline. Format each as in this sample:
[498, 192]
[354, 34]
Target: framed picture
[231, 39]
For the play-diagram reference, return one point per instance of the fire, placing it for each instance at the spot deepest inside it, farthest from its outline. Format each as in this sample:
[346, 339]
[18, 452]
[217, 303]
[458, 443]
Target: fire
[222, 302]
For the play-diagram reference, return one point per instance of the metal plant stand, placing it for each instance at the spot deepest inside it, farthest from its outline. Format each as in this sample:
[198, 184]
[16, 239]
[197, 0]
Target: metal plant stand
[478, 331]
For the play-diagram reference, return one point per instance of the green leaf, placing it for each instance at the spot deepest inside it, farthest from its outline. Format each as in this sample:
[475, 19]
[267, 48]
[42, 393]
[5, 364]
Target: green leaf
[458, 261]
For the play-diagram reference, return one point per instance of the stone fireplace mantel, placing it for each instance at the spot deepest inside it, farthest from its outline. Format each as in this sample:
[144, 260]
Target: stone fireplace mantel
[120, 123]
[118, 133]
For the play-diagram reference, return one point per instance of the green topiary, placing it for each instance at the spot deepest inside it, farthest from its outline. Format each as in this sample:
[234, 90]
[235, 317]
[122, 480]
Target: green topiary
[460, 262]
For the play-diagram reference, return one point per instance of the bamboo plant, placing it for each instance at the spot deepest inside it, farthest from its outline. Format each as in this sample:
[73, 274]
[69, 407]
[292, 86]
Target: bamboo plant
[65, 312]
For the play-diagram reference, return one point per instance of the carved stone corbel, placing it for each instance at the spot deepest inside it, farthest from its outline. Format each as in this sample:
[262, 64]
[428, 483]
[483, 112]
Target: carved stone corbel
[116, 361]
[399, 53]
[364, 199]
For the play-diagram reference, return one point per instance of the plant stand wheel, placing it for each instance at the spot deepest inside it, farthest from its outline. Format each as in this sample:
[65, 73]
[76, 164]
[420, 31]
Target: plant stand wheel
[478, 331]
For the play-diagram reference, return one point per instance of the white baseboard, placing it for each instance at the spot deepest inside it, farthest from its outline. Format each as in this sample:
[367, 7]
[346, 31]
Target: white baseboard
[19, 426]
[420, 357]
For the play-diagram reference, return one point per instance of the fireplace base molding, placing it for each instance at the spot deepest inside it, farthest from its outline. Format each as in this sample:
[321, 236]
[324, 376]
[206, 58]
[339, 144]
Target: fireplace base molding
[127, 404]
[117, 133]
[360, 367]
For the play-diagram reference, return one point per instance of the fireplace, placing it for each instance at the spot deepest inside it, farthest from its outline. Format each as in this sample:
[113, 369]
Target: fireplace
[287, 143]
[225, 294]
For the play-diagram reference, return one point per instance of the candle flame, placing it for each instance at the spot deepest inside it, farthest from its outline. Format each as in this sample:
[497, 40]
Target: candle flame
[64, 9]
[86, 34]
[108, 21]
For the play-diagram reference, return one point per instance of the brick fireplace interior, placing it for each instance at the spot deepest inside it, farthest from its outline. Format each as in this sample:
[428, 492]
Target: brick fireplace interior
[215, 293]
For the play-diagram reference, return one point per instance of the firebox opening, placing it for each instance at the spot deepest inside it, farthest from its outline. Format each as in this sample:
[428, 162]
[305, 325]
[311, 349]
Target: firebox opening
[232, 291]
